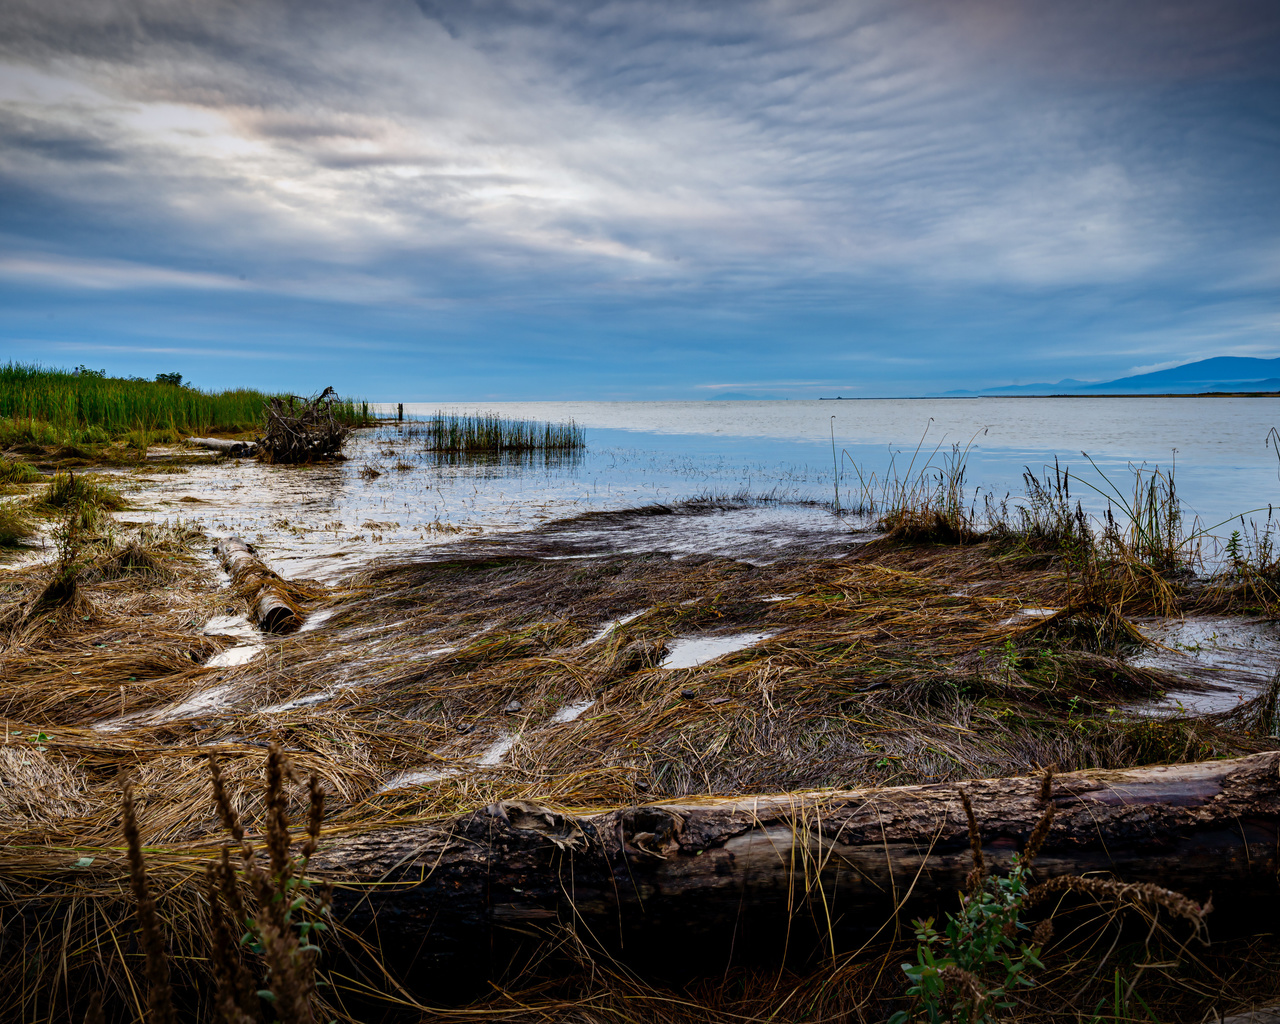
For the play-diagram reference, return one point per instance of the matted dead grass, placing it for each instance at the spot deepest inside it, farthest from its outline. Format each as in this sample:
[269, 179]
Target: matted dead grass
[432, 688]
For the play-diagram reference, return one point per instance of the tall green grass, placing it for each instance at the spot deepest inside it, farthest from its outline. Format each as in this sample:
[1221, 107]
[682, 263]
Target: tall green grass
[48, 406]
[446, 432]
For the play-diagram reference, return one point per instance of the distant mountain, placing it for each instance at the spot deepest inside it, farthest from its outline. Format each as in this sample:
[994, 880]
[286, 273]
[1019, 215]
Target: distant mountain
[1221, 373]
[741, 396]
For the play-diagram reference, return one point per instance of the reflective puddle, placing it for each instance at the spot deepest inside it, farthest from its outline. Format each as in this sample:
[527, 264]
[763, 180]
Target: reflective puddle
[688, 652]
[1225, 661]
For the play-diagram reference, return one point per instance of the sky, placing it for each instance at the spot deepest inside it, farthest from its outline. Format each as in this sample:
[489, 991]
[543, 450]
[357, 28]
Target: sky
[427, 200]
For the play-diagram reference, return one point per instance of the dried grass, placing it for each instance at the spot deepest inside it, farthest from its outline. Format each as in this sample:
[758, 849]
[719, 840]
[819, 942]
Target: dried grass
[903, 664]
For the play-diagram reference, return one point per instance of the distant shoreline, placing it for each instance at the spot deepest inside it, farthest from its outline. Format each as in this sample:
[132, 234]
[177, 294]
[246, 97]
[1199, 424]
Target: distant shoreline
[970, 398]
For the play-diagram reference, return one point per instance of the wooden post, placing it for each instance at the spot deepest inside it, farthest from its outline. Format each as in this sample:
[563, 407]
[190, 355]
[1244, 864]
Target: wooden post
[400, 412]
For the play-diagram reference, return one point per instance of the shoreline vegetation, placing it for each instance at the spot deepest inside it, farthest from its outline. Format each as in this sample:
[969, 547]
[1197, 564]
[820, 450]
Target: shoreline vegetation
[175, 800]
[491, 433]
[89, 416]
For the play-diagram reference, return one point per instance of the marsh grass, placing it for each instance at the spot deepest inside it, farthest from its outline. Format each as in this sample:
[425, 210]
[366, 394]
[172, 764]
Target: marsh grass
[16, 524]
[925, 501]
[50, 407]
[905, 662]
[14, 472]
[449, 432]
[67, 490]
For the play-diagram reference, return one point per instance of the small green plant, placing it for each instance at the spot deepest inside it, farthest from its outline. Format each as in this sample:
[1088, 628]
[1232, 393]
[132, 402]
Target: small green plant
[966, 972]
[970, 972]
[1235, 550]
[1122, 1000]
[1008, 657]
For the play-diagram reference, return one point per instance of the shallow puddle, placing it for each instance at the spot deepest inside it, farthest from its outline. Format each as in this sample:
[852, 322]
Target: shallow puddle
[688, 652]
[1226, 661]
[571, 712]
[234, 656]
[215, 698]
[316, 619]
[392, 498]
[405, 780]
[498, 750]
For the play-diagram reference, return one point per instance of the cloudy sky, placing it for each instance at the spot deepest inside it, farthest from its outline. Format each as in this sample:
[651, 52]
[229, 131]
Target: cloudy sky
[486, 199]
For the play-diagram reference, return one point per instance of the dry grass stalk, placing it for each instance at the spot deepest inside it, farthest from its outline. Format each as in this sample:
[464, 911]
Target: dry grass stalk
[1124, 894]
[159, 993]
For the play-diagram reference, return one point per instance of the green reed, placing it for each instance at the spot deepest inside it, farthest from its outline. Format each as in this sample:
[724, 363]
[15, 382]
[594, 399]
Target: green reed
[49, 406]
[447, 432]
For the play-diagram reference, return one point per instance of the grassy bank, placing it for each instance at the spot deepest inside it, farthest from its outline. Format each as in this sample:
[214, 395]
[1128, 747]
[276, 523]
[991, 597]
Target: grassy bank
[46, 406]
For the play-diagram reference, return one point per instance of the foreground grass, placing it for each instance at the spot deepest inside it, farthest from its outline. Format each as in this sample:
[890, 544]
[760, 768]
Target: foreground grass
[908, 662]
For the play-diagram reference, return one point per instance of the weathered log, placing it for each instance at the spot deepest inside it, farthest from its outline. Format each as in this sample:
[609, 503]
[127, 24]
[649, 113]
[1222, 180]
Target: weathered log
[688, 885]
[217, 444]
[268, 597]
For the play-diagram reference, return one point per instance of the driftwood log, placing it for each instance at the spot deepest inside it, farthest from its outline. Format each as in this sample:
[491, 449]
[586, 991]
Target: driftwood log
[689, 886]
[302, 429]
[217, 444]
[268, 597]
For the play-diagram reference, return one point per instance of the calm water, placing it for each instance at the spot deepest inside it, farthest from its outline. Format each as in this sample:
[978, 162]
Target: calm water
[325, 520]
[1218, 446]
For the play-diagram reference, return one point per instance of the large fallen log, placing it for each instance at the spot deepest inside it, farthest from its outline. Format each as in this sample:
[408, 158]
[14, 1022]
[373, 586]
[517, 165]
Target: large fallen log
[689, 885]
[217, 444]
[268, 597]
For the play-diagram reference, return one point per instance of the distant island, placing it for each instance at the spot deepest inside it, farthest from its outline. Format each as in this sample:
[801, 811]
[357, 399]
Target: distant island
[1219, 375]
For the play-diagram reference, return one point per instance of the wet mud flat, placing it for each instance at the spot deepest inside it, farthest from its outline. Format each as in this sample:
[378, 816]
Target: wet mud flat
[605, 661]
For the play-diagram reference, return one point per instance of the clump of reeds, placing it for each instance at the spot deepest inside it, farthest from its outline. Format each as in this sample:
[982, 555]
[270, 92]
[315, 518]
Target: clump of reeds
[926, 502]
[68, 491]
[16, 524]
[450, 432]
[13, 471]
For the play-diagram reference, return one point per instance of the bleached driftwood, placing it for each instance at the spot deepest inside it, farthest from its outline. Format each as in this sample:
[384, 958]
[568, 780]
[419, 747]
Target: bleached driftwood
[268, 597]
[217, 444]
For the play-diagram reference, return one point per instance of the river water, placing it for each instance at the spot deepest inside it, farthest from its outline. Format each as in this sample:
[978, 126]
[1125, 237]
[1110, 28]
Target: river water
[322, 521]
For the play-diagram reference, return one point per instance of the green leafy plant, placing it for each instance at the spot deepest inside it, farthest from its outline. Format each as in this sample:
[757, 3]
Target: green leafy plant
[969, 972]
[966, 972]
